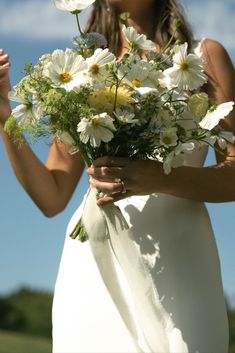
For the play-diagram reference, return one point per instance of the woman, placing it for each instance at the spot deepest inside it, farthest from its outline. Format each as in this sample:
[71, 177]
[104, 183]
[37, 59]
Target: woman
[100, 304]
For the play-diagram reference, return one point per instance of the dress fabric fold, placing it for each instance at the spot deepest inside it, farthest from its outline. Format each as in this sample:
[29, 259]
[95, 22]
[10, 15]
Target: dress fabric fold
[152, 287]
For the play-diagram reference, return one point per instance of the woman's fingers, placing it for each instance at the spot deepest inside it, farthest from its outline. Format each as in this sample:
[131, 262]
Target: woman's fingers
[111, 161]
[4, 59]
[113, 190]
[105, 172]
[113, 198]
[107, 187]
[109, 175]
[108, 180]
[4, 63]
[4, 68]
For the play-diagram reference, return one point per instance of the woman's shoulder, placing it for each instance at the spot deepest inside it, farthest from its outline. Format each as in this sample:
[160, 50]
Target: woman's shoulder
[216, 58]
[219, 68]
[212, 50]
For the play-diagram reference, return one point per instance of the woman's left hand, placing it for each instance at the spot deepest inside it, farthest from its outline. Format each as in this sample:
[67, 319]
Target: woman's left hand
[119, 177]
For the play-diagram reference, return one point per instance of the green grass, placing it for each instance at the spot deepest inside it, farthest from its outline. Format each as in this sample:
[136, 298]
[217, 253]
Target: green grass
[11, 342]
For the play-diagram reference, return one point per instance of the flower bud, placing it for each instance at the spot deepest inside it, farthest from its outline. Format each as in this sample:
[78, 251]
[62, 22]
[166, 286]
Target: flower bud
[198, 105]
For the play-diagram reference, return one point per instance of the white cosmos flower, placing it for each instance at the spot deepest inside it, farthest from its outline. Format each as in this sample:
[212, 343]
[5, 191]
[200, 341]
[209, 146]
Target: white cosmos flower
[177, 157]
[172, 161]
[215, 114]
[72, 5]
[97, 66]
[144, 91]
[140, 74]
[96, 129]
[26, 111]
[137, 41]
[168, 137]
[66, 69]
[186, 72]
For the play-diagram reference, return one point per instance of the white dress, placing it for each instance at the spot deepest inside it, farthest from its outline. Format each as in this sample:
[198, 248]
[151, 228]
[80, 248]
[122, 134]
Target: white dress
[96, 307]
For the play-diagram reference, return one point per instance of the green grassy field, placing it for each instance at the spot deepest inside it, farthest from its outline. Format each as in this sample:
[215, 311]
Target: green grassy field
[11, 342]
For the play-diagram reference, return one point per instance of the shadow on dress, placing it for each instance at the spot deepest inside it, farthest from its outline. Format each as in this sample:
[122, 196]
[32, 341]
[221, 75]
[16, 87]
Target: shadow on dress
[177, 245]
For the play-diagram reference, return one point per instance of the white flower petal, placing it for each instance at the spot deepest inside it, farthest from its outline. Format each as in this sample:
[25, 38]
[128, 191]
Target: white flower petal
[72, 5]
[212, 118]
[20, 111]
[13, 97]
[69, 64]
[97, 129]
[186, 72]
[139, 40]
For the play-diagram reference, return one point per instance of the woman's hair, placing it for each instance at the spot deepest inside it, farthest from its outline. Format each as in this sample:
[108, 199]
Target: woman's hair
[106, 21]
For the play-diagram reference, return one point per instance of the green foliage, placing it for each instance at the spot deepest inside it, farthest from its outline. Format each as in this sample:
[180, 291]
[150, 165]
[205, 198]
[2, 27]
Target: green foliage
[64, 108]
[231, 319]
[27, 311]
[11, 317]
[13, 130]
[28, 69]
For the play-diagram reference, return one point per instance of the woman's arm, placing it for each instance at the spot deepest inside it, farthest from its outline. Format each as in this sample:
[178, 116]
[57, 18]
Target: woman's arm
[51, 185]
[212, 184]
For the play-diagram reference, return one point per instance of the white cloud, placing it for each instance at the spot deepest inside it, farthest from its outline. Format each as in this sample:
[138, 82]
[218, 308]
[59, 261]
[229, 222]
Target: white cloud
[36, 19]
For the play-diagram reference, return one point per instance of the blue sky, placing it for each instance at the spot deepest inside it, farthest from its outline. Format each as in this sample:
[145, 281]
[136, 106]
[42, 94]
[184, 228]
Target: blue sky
[30, 244]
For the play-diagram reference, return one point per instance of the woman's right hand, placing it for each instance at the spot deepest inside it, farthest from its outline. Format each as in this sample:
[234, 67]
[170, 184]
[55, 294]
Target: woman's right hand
[5, 87]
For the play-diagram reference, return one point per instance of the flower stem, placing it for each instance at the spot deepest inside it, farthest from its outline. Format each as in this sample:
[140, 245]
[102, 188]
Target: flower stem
[82, 150]
[115, 98]
[78, 23]
[79, 232]
[171, 39]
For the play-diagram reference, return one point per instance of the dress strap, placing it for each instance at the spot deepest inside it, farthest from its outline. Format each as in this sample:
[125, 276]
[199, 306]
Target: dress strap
[197, 46]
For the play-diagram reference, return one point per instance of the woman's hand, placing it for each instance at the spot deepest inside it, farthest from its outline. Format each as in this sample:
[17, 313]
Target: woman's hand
[4, 87]
[119, 178]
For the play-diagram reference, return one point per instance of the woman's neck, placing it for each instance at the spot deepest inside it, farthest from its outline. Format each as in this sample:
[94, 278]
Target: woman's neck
[142, 15]
[145, 27]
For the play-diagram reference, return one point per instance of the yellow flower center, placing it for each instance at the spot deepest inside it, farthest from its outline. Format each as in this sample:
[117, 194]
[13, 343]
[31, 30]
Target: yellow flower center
[184, 65]
[94, 69]
[95, 123]
[65, 77]
[167, 140]
[136, 83]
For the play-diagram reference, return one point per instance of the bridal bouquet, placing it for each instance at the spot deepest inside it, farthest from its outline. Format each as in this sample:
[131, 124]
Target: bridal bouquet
[142, 106]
